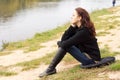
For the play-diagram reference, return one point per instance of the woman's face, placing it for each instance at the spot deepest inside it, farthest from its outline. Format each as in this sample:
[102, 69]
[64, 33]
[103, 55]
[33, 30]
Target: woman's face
[75, 18]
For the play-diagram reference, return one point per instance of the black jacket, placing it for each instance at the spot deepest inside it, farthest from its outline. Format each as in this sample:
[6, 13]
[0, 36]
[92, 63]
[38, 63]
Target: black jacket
[81, 38]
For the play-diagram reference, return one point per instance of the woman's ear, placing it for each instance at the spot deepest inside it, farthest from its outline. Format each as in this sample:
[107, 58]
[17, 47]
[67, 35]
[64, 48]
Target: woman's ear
[79, 18]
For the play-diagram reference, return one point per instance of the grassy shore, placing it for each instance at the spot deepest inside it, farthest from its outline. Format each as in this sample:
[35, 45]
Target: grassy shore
[102, 25]
[33, 43]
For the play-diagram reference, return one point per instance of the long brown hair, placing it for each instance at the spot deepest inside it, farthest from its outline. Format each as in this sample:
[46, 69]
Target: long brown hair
[86, 21]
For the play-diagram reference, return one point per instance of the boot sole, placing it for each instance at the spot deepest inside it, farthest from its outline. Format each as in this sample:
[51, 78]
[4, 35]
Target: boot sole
[104, 61]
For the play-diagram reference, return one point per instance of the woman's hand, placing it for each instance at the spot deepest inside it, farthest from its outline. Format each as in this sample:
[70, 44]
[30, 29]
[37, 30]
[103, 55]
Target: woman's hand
[59, 43]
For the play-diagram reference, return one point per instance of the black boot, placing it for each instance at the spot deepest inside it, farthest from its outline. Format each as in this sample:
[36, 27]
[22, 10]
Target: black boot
[51, 68]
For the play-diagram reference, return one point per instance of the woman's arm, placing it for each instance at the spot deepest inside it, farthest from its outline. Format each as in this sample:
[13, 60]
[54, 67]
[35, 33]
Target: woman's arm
[76, 39]
[68, 33]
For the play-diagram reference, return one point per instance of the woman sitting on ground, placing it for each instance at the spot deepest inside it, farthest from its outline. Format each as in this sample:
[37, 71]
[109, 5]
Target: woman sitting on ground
[78, 40]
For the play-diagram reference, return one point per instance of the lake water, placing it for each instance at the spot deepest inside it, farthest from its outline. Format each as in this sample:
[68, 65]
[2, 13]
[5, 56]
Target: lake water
[22, 19]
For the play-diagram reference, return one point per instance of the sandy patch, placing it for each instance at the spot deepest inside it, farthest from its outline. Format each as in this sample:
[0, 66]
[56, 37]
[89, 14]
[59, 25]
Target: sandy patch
[33, 74]
[26, 75]
[18, 56]
[114, 75]
[112, 41]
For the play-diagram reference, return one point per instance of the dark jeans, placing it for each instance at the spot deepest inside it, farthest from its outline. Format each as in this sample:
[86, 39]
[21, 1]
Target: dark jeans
[75, 52]
[78, 55]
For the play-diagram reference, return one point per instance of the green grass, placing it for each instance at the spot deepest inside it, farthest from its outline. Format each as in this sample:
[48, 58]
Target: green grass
[106, 52]
[76, 73]
[103, 33]
[115, 66]
[5, 73]
[27, 65]
[98, 21]
[4, 45]
[68, 59]
[34, 43]
[103, 22]
[5, 53]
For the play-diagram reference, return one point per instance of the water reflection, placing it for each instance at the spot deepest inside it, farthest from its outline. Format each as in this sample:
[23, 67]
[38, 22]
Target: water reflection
[8, 8]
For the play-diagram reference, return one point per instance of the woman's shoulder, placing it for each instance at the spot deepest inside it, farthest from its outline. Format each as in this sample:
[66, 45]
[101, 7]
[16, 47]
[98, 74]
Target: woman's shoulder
[84, 29]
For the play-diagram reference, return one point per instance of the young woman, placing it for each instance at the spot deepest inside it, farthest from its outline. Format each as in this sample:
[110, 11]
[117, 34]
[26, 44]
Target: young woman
[78, 40]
